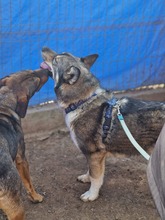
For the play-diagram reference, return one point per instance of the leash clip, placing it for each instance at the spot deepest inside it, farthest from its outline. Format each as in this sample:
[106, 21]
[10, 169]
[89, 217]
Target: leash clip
[119, 115]
[118, 110]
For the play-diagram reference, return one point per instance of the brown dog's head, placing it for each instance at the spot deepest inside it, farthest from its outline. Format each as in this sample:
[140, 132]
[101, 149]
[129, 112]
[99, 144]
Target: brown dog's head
[72, 75]
[17, 89]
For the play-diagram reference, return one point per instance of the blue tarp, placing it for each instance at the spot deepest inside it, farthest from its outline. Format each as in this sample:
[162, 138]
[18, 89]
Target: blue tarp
[128, 35]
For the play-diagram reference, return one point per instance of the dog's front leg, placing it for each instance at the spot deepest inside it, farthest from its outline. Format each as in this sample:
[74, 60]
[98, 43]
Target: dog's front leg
[96, 175]
[23, 169]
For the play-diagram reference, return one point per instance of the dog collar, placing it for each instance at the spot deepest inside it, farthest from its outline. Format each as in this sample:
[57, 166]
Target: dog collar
[10, 113]
[74, 106]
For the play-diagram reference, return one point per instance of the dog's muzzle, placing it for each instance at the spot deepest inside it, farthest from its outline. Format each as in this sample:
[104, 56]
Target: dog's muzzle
[45, 66]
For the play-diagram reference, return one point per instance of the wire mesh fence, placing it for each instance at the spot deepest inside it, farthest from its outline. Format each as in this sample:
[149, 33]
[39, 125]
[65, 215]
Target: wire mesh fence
[128, 35]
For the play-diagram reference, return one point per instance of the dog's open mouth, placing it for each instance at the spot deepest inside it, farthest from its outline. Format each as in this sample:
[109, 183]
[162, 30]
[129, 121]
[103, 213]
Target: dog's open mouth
[45, 66]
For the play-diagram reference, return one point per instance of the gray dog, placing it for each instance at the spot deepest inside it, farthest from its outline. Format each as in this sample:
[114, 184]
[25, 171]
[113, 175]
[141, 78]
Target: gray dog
[91, 115]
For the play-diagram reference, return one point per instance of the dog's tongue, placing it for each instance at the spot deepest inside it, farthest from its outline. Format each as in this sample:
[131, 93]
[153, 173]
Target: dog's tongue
[45, 66]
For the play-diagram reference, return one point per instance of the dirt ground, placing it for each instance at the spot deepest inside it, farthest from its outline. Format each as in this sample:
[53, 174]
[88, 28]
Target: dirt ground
[55, 164]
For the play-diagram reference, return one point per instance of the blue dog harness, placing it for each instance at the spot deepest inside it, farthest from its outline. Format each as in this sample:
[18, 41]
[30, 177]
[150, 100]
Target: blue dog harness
[107, 117]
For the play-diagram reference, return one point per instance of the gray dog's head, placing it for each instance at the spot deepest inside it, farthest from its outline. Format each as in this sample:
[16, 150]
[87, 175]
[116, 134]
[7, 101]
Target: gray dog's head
[73, 79]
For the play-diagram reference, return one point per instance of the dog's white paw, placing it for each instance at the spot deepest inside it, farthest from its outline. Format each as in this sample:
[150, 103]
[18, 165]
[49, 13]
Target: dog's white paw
[89, 196]
[93, 192]
[84, 178]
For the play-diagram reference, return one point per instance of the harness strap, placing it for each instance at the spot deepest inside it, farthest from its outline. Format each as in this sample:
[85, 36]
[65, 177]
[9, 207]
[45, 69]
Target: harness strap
[107, 118]
[130, 137]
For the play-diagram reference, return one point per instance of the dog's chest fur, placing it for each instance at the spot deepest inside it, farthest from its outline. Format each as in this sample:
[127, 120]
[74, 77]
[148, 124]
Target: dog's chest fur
[69, 119]
[85, 125]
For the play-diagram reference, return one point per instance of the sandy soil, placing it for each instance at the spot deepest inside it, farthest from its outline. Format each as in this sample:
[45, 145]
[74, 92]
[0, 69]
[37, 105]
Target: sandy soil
[55, 164]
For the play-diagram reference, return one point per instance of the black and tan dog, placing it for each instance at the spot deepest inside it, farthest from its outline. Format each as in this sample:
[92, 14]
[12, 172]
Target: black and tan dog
[91, 115]
[15, 92]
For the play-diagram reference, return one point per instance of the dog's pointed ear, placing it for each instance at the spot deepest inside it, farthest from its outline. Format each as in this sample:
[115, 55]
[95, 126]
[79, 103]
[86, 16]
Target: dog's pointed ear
[22, 104]
[89, 60]
[71, 75]
[48, 55]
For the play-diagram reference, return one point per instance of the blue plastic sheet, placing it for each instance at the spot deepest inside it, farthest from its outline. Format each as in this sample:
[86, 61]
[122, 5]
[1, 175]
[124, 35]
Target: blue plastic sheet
[128, 35]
